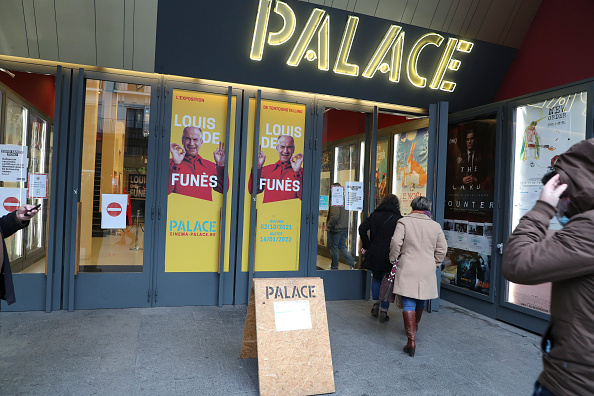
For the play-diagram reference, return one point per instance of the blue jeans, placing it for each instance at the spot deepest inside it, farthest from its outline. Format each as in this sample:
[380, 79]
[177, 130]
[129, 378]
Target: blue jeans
[337, 242]
[540, 390]
[411, 304]
[376, 283]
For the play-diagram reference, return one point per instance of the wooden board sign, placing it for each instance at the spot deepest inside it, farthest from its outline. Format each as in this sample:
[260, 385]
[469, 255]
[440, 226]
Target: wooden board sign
[286, 328]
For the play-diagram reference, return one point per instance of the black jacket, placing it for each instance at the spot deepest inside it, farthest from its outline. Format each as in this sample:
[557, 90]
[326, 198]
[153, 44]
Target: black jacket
[9, 224]
[381, 229]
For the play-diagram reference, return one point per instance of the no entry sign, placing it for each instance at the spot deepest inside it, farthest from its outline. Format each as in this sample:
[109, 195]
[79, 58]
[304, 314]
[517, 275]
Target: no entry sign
[11, 199]
[113, 210]
[11, 204]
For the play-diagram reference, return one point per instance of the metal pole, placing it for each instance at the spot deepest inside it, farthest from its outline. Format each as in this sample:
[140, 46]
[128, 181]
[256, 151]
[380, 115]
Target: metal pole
[136, 247]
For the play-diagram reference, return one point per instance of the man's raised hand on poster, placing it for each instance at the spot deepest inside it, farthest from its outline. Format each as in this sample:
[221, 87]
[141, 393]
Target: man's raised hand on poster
[219, 155]
[296, 162]
[177, 153]
[261, 158]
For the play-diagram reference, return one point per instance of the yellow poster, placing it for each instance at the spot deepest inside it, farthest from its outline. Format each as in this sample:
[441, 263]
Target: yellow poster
[279, 186]
[196, 180]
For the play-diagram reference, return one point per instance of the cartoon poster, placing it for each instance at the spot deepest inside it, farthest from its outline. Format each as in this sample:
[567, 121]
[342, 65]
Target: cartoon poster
[279, 186]
[381, 169]
[544, 130]
[470, 178]
[195, 183]
[411, 151]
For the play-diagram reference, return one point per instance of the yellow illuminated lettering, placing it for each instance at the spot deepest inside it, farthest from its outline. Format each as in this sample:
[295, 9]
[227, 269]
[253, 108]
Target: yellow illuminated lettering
[413, 57]
[396, 58]
[443, 63]
[341, 66]
[260, 29]
[324, 45]
[283, 35]
[381, 51]
[465, 46]
[306, 35]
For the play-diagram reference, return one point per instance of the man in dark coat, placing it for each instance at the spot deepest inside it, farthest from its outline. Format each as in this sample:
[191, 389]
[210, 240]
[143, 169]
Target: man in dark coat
[533, 254]
[380, 224]
[9, 224]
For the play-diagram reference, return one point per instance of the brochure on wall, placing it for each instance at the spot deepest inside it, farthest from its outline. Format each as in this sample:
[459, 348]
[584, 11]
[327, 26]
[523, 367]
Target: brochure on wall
[13, 163]
[354, 196]
[11, 199]
[37, 185]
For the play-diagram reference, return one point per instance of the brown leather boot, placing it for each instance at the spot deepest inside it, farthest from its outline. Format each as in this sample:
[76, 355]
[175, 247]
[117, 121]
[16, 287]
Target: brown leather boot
[410, 326]
[418, 314]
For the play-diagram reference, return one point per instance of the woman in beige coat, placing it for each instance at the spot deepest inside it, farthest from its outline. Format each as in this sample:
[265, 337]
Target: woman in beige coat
[421, 246]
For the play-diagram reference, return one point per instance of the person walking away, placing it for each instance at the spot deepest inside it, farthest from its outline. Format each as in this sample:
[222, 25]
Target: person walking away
[337, 226]
[9, 224]
[533, 254]
[421, 245]
[381, 225]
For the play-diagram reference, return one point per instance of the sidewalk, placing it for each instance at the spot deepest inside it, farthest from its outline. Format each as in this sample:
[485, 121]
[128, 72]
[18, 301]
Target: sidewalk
[195, 351]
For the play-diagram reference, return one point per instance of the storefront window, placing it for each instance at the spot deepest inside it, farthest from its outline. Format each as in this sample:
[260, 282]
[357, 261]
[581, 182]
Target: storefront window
[543, 131]
[115, 148]
[468, 212]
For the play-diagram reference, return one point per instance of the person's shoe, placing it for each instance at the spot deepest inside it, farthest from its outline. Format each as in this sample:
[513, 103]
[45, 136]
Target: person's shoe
[383, 317]
[375, 309]
[410, 327]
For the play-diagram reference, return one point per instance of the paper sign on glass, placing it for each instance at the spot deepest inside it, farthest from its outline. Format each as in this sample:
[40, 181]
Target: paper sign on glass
[113, 210]
[354, 196]
[13, 163]
[37, 185]
[292, 315]
[324, 202]
[11, 199]
[337, 196]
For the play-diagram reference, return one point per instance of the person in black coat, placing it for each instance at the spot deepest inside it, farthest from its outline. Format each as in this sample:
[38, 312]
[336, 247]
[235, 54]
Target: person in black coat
[381, 225]
[9, 224]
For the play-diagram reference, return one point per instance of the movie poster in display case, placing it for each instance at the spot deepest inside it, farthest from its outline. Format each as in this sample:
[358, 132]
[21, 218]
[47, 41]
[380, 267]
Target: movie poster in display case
[468, 222]
[543, 131]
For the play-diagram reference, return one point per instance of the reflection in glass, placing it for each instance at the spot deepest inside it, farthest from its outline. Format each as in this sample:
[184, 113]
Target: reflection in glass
[115, 148]
[543, 131]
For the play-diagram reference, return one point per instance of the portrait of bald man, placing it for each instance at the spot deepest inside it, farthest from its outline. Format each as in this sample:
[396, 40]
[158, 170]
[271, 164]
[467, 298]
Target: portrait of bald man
[189, 173]
[282, 180]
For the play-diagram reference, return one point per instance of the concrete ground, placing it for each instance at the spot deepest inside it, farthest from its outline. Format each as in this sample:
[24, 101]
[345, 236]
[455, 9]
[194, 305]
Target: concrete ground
[195, 351]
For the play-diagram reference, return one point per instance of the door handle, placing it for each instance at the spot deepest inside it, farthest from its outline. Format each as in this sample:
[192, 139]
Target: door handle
[153, 213]
[159, 214]
[500, 247]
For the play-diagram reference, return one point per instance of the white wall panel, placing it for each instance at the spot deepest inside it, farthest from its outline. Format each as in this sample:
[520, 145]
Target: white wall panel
[128, 33]
[460, 14]
[31, 28]
[495, 21]
[45, 16]
[522, 23]
[110, 33]
[477, 20]
[76, 31]
[391, 9]
[367, 7]
[440, 15]
[424, 13]
[471, 13]
[409, 11]
[145, 35]
[13, 36]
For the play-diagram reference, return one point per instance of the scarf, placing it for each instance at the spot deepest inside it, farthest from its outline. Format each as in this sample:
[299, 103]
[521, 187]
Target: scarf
[425, 212]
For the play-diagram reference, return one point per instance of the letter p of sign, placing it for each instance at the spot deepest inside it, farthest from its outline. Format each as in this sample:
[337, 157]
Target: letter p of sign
[269, 291]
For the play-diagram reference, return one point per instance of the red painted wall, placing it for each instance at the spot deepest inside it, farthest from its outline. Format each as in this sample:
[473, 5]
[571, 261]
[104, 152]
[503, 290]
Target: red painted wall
[339, 124]
[558, 49]
[39, 89]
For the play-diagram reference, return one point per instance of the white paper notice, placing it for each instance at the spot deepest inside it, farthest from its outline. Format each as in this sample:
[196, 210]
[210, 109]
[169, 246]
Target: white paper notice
[37, 185]
[113, 210]
[337, 196]
[11, 199]
[292, 315]
[13, 163]
[354, 196]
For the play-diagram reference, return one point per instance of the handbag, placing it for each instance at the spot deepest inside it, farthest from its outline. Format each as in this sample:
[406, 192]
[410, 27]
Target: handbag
[386, 292]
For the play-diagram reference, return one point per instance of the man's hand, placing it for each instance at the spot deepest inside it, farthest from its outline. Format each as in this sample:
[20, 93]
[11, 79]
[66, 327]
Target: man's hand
[261, 157]
[552, 190]
[219, 155]
[23, 213]
[296, 162]
[177, 152]
[469, 180]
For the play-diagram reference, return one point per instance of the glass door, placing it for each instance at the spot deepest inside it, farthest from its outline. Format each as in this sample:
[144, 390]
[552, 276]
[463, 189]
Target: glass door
[197, 187]
[113, 208]
[276, 147]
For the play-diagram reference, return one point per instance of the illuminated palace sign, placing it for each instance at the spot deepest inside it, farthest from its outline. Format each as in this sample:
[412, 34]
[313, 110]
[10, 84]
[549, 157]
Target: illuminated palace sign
[392, 43]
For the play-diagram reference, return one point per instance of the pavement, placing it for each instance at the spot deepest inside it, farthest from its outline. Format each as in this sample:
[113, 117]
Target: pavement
[195, 351]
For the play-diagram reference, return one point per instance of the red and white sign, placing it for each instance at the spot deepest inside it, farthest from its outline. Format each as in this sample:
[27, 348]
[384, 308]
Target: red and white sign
[113, 210]
[12, 199]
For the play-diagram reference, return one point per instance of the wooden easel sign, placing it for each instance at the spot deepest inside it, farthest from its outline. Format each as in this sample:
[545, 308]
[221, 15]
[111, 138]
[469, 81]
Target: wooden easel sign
[286, 328]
